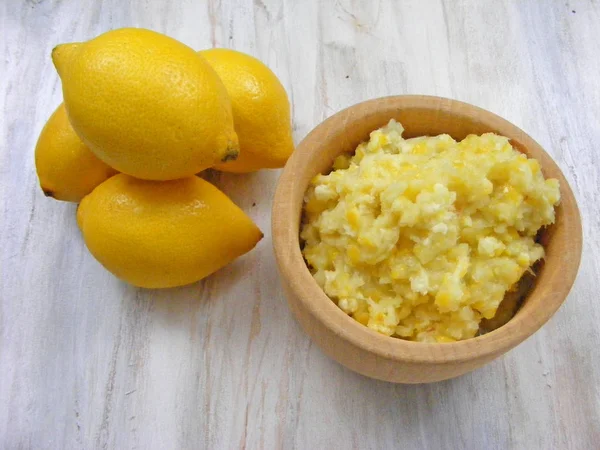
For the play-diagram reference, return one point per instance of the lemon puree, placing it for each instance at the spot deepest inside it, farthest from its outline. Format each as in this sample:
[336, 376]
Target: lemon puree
[421, 238]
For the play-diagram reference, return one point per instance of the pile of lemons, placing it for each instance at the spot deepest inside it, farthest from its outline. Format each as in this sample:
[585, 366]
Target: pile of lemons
[142, 115]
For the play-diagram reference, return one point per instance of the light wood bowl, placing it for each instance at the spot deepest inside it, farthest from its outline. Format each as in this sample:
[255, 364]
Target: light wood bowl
[358, 347]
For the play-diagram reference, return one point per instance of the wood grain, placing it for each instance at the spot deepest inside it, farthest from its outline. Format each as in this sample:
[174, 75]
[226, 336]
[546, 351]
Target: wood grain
[88, 362]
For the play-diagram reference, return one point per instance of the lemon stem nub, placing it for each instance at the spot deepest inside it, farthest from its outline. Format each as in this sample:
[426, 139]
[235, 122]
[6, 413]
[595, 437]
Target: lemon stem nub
[231, 155]
[62, 54]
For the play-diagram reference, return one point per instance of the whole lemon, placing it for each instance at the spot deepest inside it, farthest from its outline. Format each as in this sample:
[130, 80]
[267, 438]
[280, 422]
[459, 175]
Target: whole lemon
[261, 111]
[146, 104]
[66, 168]
[157, 234]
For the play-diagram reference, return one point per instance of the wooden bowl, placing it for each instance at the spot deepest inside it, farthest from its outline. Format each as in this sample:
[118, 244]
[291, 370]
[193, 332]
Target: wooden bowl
[362, 349]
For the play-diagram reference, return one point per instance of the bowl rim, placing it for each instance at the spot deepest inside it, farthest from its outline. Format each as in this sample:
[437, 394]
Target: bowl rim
[293, 268]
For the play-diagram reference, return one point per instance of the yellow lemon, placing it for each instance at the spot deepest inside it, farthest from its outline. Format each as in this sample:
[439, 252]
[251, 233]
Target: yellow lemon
[156, 234]
[66, 168]
[261, 111]
[146, 104]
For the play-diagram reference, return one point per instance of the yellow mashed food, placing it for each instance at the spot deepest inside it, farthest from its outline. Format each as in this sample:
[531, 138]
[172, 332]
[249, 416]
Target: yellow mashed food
[421, 238]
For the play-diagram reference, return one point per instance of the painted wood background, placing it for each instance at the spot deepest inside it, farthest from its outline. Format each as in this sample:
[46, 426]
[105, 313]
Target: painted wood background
[89, 362]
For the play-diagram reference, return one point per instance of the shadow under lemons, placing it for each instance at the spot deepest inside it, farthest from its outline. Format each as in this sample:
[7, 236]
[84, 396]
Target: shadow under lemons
[175, 303]
[247, 190]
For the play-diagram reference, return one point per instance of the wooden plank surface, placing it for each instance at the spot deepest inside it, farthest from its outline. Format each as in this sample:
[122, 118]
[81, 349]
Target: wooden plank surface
[89, 362]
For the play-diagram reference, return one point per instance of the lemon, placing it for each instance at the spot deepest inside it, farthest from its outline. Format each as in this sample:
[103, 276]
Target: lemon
[66, 168]
[157, 234]
[146, 104]
[261, 110]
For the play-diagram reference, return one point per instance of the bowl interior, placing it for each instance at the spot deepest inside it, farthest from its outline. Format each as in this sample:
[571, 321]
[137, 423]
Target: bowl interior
[422, 115]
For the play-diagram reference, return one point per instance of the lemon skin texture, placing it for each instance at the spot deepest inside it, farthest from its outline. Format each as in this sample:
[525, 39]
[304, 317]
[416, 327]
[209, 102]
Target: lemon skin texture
[146, 104]
[66, 168]
[261, 111]
[155, 234]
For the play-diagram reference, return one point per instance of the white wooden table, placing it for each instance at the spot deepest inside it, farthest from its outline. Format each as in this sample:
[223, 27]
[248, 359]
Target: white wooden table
[89, 362]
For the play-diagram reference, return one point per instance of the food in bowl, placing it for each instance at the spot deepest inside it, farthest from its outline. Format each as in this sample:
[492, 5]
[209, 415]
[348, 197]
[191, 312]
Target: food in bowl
[422, 238]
